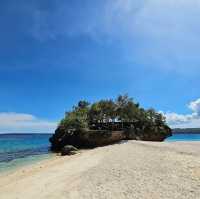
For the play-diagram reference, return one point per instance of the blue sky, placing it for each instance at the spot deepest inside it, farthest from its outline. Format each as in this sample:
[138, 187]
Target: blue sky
[54, 53]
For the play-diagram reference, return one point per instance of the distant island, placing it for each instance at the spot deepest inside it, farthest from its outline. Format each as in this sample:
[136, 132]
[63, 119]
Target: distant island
[186, 130]
[106, 122]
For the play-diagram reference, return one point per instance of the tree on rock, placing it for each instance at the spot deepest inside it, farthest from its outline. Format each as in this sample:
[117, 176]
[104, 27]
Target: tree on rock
[106, 116]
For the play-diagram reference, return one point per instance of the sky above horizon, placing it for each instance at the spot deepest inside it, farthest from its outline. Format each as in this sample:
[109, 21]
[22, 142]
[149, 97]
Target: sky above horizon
[54, 53]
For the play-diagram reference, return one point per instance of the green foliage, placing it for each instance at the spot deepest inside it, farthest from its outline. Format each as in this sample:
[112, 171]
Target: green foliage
[127, 110]
[102, 111]
[123, 109]
[77, 118]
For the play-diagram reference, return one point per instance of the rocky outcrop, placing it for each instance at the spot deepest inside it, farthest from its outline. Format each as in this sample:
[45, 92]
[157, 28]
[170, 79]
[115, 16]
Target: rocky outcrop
[157, 134]
[68, 150]
[92, 138]
[84, 138]
[108, 121]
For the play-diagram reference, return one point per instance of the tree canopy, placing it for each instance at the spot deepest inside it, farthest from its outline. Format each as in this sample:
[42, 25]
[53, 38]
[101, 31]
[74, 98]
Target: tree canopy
[121, 110]
[107, 121]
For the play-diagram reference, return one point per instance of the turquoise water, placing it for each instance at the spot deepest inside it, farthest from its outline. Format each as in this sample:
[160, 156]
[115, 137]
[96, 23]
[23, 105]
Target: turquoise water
[21, 149]
[184, 137]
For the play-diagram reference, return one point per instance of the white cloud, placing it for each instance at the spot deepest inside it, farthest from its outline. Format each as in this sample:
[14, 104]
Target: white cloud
[155, 33]
[192, 120]
[195, 106]
[24, 123]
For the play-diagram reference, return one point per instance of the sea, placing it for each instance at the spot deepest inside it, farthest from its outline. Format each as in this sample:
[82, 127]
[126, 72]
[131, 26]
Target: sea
[21, 149]
[183, 137]
[17, 150]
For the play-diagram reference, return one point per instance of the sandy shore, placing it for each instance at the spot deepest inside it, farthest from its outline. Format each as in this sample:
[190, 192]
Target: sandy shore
[129, 170]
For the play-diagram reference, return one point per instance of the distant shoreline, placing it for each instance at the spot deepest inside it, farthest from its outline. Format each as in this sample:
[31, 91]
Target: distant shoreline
[186, 131]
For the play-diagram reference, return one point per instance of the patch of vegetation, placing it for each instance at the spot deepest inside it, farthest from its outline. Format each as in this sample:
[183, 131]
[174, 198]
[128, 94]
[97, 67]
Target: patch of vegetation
[105, 114]
[108, 121]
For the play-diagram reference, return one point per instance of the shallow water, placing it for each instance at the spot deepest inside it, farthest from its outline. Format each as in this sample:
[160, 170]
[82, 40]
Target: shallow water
[184, 137]
[21, 149]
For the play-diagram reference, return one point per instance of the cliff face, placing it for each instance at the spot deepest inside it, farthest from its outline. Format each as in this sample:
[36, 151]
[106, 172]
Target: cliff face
[84, 138]
[155, 133]
[94, 138]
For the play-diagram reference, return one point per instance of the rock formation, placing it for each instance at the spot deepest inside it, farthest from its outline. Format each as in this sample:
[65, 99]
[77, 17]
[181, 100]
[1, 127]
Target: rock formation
[106, 122]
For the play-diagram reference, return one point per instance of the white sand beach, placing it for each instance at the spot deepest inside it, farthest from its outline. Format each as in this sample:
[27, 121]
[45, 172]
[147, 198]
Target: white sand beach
[142, 170]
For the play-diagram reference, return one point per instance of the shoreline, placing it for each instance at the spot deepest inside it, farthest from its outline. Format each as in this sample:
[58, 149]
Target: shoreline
[132, 169]
[14, 165]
